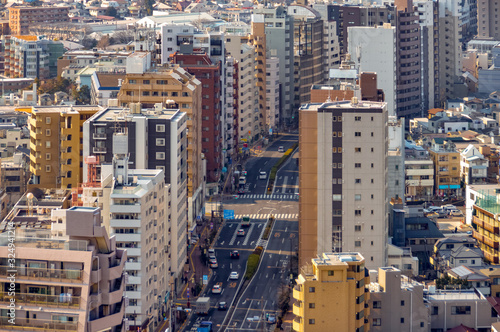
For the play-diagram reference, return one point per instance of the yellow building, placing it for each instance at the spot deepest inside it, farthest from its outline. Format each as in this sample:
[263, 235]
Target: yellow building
[331, 293]
[56, 145]
[176, 85]
[446, 161]
[486, 224]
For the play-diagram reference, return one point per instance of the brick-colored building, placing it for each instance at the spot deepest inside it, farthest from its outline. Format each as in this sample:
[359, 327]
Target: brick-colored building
[22, 18]
[200, 65]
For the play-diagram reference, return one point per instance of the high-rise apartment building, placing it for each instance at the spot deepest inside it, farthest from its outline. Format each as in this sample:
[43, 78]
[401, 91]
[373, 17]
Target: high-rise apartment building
[279, 42]
[488, 23]
[374, 49]
[56, 145]
[172, 86]
[343, 172]
[22, 18]
[332, 292]
[199, 65]
[409, 60]
[486, 223]
[69, 272]
[152, 140]
[31, 56]
[258, 40]
[273, 93]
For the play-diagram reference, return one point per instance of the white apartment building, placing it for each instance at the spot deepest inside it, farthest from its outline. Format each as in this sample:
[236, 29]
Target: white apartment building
[229, 141]
[248, 94]
[343, 180]
[139, 218]
[374, 49]
[273, 92]
[473, 166]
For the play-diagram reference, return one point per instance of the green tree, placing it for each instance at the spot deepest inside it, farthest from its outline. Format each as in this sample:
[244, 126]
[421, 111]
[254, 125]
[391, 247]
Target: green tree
[111, 11]
[82, 96]
[149, 6]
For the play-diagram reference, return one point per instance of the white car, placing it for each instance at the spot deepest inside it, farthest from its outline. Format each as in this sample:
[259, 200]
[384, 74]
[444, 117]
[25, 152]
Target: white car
[262, 175]
[216, 289]
[281, 149]
[234, 275]
[455, 213]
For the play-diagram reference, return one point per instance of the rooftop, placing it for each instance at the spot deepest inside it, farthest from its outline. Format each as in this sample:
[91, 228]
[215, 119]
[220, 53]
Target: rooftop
[343, 104]
[338, 258]
[442, 295]
[124, 114]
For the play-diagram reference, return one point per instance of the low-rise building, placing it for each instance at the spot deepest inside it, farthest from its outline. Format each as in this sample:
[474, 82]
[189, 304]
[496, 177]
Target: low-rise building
[443, 248]
[402, 259]
[341, 276]
[446, 161]
[473, 166]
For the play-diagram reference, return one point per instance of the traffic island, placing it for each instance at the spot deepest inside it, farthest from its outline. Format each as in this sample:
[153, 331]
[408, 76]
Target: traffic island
[253, 262]
[277, 166]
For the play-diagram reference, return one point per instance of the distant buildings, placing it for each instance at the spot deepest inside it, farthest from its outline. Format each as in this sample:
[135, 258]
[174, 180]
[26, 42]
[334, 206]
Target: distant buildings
[343, 176]
[332, 291]
[487, 21]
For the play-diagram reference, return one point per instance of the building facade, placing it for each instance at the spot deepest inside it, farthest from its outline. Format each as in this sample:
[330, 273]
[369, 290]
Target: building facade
[446, 161]
[342, 180]
[488, 23]
[339, 276]
[22, 18]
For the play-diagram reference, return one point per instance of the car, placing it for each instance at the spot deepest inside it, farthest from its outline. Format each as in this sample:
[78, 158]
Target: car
[262, 175]
[241, 191]
[213, 264]
[211, 251]
[455, 213]
[449, 207]
[234, 275]
[241, 232]
[434, 208]
[217, 289]
[271, 318]
[235, 254]
[222, 306]
[469, 232]
[242, 180]
[281, 149]
[245, 221]
[212, 257]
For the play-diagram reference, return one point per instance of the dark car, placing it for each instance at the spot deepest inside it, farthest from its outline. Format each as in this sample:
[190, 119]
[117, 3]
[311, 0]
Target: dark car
[235, 254]
[222, 306]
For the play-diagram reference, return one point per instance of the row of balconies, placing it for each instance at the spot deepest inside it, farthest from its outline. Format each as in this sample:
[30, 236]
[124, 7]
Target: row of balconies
[57, 301]
[28, 273]
[484, 239]
[44, 325]
[483, 224]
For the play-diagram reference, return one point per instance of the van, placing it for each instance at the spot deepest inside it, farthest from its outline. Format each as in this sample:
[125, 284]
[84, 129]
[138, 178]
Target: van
[262, 175]
[245, 221]
[242, 180]
[281, 149]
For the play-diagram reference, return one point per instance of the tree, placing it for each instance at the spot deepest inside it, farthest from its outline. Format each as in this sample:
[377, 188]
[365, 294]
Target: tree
[103, 43]
[82, 96]
[149, 6]
[111, 11]
[442, 282]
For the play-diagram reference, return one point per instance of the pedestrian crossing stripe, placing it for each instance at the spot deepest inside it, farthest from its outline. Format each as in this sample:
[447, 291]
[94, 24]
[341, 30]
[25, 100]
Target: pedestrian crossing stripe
[285, 216]
[272, 197]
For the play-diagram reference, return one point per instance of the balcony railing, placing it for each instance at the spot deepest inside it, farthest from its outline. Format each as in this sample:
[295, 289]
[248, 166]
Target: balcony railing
[30, 324]
[490, 257]
[44, 274]
[60, 301]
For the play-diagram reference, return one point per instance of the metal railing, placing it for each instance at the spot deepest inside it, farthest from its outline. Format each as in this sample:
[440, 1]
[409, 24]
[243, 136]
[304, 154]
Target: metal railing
[43, 273]
[30, 324]
[61, 300]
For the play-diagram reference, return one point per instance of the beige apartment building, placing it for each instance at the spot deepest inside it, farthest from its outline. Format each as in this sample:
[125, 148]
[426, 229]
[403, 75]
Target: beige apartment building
[342, 180]
[488, 23]
[56, 144]
[177, 89]
[69, 273]
[331, 292]
[22, 18]
[397, 303]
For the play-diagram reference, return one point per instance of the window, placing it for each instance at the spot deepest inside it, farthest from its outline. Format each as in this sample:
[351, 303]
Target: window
[357, 118]
[357, 134]
[160, 128]
[47, 144]
[48, 120]
[357, 228]
[330, 273]
[47, 156]
[312, 289]
[334, 150]
[312, 321]
[312, 305]
[357, 149]
[372, 165]
[357, 197]
[357, 213]
[357, 165]
[460, 310]
[402, 303]
[339, 165]
[357, 243]
[146, 82]
[337, 197]
[334, 134]
[377, 305]
[47, 132]
[377, 322]
[357, 180]
[422, 324]
[48, 168]
[339, 150]
[402, 320]
[160, 155]
[160, 142]
[132, 81]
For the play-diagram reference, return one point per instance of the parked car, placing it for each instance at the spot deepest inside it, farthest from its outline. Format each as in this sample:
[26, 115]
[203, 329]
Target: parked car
[235, 254]
[241, 232]
[455, 213]
[234, 275]
[271, 318]
[217, 289]
[213, 264]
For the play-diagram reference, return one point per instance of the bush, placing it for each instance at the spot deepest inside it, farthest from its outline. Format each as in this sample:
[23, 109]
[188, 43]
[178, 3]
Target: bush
[252, 264]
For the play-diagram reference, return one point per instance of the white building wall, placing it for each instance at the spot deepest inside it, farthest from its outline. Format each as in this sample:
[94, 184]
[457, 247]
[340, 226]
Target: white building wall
[273, 92]
[374, 49]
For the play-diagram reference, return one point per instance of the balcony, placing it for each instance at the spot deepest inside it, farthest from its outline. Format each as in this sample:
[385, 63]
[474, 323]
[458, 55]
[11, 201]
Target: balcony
[115, 294]
[58, 301]
[103, 323]
[132, 266]
[478, 222]
[68, 276]
[477, 236]
[297, 294]
[99, 136]
[128, 237]
[486, 225]
[99, 149]
[298, 309]
[489, 242]
[95, 276]
[490, 257]
[125, 208]
[298, 326]
[41, 325]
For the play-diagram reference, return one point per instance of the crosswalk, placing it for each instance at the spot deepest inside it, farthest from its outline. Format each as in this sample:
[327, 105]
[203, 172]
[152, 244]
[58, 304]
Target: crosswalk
[271, 197]
[267, 215]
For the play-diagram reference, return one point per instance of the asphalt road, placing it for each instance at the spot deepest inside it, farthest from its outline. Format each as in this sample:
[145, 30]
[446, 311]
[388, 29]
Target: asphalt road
[264, 162]
[287, 181]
